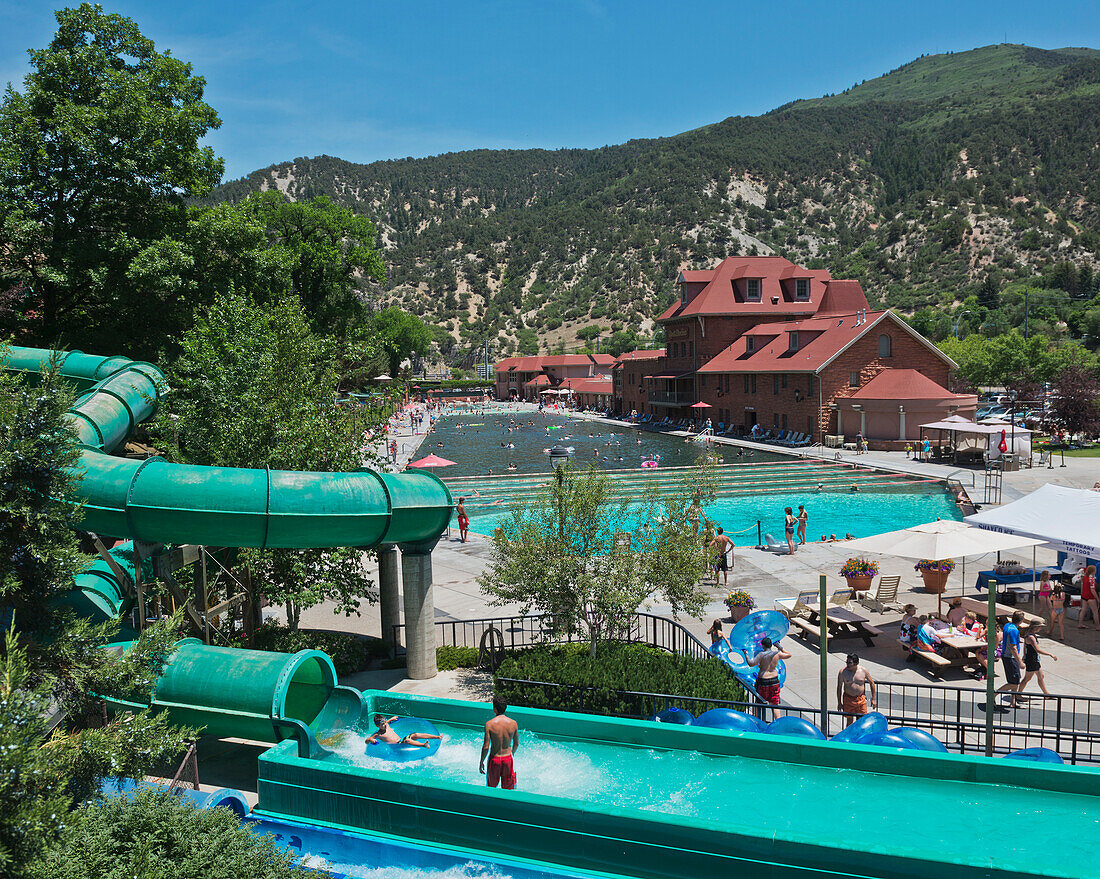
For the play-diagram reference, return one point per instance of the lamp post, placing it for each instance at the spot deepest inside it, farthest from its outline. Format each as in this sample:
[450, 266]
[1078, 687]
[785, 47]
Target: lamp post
[559, 457]
[958, 320]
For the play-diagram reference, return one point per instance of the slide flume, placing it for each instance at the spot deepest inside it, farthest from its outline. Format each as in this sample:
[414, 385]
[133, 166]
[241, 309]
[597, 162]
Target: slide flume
[160, 502]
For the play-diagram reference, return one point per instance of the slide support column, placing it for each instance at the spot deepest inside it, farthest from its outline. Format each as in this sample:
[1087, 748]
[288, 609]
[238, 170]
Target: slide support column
[416, 577]
[389, 593]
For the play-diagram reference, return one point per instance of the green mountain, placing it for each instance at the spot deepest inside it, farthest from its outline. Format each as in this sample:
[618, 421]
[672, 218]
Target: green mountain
[948, 172]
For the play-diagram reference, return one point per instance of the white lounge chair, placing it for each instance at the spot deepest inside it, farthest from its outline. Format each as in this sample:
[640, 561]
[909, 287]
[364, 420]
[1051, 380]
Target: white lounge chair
[799, 605]
[885, 596]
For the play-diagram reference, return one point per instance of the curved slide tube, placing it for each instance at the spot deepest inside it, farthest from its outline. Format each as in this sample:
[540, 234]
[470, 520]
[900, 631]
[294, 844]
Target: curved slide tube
[253, 694]
[223, 797]
[159, 502]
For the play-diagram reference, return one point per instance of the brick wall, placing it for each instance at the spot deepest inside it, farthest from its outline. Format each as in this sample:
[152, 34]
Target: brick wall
[863, 358]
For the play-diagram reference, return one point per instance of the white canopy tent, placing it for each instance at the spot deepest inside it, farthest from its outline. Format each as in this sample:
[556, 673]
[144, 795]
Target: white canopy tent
[984, 438]
[1066, 518]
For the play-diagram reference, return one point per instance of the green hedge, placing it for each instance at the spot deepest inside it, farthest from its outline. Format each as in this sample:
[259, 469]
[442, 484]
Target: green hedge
[446, 658]
[595, 684]
[350, 653]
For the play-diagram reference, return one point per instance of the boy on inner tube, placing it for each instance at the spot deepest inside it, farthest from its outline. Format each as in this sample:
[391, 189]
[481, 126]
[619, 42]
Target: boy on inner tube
[385, 734]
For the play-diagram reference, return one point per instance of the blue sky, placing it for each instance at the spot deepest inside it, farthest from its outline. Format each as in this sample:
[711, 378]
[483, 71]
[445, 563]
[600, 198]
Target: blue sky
[376, 80]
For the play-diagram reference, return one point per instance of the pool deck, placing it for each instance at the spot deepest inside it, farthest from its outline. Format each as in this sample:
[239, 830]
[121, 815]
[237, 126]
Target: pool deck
[768, 577]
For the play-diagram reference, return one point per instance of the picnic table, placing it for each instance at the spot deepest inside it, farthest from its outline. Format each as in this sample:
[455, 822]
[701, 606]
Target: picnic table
[964, 646]
[840, 623]
[1003, 611]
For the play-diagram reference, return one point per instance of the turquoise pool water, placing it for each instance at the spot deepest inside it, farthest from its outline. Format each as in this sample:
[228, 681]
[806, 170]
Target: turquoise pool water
[801, 801]
[754, 487]
[860, 514]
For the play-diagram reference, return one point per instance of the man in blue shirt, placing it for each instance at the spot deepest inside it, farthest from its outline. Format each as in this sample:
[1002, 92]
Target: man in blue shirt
[1010, 657]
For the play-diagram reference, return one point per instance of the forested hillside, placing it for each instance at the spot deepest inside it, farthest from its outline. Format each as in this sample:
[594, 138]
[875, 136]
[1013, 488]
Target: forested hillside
[954, 175]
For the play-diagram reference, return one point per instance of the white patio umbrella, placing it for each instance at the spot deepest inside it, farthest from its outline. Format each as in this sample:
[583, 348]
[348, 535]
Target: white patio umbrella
[942, 539]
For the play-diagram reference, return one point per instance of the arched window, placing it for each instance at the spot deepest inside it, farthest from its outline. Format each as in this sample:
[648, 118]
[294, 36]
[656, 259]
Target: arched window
[885, 346]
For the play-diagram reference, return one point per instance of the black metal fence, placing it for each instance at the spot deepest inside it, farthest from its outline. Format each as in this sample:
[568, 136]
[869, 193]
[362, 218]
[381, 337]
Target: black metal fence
[1069, 725]
[527, 631]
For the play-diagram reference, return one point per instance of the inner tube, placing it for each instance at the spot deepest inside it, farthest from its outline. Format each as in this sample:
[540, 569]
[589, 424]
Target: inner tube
[1036, 755]
[758, 625]
[796, 727]
[864, 730]
[727, 718]
[672, 714]
[399, 753]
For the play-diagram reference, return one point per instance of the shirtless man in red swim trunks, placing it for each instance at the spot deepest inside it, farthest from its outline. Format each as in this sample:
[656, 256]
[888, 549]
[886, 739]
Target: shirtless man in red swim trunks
[501, 739]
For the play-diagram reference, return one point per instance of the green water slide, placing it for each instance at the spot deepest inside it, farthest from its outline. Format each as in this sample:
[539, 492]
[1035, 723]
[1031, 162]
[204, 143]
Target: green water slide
[159, 502]
[253, 694]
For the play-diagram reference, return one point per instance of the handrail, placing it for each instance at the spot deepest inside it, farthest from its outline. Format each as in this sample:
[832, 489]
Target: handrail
[969, 473]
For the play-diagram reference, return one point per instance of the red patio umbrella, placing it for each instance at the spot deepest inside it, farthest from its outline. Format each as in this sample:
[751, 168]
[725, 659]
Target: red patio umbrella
[700, 405]
[432, 461]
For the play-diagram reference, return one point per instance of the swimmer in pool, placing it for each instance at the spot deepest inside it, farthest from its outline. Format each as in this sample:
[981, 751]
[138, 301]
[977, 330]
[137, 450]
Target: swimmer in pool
[385, 734]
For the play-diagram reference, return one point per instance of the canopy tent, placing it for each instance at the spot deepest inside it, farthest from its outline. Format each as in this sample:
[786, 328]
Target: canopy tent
[982, 438]
[942, 539]
[1066, 518]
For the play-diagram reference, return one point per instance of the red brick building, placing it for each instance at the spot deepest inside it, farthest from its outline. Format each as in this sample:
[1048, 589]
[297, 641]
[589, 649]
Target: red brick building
[764, 341]
[525, 378]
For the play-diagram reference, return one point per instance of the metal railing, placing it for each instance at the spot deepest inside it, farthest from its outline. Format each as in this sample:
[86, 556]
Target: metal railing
[670, 398]
[527, 631]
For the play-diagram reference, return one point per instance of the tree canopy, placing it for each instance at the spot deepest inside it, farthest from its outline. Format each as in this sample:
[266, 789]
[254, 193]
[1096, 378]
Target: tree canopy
[98, 154]
[591, 561]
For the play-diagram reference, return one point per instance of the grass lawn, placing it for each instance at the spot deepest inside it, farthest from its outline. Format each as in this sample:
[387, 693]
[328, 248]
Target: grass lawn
[1094, 452]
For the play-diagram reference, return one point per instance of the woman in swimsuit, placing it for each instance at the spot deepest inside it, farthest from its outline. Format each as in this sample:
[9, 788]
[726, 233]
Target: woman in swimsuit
[716, 635]
[1032, 666]
[463, 520]
[789, 523]
[1044, 593]
[1058, 611]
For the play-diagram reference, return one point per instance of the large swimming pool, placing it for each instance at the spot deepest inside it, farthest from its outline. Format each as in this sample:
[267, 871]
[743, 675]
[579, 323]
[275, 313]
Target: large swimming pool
[754, 487]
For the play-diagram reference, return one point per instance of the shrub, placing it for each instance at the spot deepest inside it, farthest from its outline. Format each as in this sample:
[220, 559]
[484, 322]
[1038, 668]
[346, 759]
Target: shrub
[450, 658]
[349, 652]
[595, 684]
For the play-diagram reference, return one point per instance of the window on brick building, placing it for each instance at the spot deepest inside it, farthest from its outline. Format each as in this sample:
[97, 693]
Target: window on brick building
[784, 420]
[750, 344]
[811, 426]
[783, 381]
[702, 381]
[810, 384]
[792, 341]
[775, 385]
[752, 289]
[754, 383]
[746, 382]
[802, 289]
[853, 379]
[691, 348]
[885, 346]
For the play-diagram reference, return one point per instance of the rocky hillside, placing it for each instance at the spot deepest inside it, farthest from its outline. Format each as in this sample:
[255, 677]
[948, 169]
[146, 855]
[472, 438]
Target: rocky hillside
[922, 184]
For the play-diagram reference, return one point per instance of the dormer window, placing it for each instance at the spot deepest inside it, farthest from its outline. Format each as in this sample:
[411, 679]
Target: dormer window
[793, 343]
[752, 289]
[802, 289]
[750, 344]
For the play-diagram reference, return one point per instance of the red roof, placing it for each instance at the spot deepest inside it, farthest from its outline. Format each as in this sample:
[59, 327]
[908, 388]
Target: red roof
[537, 382]
[903, 384]
[820, 339]
[644, 354]
[596, 385]
[722, 296]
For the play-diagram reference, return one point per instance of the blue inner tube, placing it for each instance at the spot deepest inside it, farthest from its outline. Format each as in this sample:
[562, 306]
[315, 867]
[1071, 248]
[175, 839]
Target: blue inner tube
[796, 727]
[727, 718]
[672, 714]
[864, 730]
[399, 753]
[757, 626]
[1036, 755]
[736, 662]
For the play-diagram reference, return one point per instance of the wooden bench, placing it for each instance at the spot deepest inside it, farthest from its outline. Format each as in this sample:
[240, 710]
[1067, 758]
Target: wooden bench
[805, 627]
[932, 658]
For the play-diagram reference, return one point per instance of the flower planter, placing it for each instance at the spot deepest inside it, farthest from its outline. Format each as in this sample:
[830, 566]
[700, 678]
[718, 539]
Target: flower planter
[738, 613]
[935, 581]
[860, 583]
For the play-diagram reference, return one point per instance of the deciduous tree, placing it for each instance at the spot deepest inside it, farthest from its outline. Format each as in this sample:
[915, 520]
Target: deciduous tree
[590, 560]
[98, 154]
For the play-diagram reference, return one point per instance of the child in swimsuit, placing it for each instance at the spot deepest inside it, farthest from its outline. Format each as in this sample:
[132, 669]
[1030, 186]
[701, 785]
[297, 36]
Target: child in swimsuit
[1058, 611]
